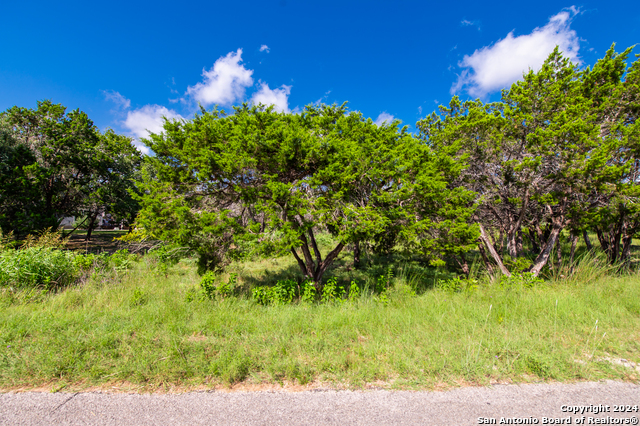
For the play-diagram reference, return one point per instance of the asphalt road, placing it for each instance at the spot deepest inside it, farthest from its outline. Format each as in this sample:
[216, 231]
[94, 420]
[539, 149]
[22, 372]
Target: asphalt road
[464, 406]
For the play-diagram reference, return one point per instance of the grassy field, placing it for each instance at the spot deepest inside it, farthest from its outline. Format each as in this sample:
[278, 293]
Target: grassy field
[147, 329]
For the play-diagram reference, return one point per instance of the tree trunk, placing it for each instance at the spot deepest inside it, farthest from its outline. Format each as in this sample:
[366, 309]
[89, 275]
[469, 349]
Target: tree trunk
[615, 241]
[574, 243]
[626, 248]
[92, 225]
[514, 234]
[604, 241]
[312, 270]
[544, 255]
[559, 250]
[587, 240]
[519, 245]
[512, 245]
[535, 248]
[356, 254]
[500, 243]
[464, 265]
[496, 257]
[484, 257]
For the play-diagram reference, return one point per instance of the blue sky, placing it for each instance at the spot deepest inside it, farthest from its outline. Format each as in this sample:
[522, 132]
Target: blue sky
[128, 63]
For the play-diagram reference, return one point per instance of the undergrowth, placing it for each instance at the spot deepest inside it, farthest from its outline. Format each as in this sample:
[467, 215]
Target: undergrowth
[152, 320]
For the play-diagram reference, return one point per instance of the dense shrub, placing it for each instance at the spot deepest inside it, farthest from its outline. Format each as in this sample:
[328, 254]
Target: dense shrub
[288, 291]
[37, 267]
[49, 268]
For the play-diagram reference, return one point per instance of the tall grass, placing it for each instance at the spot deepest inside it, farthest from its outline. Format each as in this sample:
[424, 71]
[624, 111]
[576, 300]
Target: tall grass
[37, 267]
[142, 327]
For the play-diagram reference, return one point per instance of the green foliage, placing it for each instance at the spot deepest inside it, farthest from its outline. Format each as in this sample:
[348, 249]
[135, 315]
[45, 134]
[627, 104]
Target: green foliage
[354, 291]
[122, 260]
[138, 298]
[457, 284]
[37, 267]
[521, 280]
[308, 292]
[558, 151]
[225, 186]
[47, 238]
[225, 289]
[383, 283]
[211, 289]
[89, 261]
[262, 295]
[284, 292]
[208, 285]
[55, 164]
[104, 263]
[7, 241]
[332, 292]
[166, 255]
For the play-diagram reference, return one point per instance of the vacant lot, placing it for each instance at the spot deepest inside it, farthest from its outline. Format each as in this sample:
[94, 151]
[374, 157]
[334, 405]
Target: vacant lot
[141, 326]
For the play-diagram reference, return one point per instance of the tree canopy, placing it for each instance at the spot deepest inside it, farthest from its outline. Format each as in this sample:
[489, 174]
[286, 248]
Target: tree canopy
[556, 157]
[56, 164]
[277, 179]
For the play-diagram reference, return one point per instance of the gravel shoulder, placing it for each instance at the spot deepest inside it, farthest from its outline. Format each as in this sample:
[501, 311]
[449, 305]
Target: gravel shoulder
[462, 406]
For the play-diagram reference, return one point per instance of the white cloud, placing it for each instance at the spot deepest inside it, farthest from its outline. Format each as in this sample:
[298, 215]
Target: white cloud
[467, 23]
[224, 83]
[147, 119]
[117, 98]
[322, 99]
[264, 48]
[496, 67]
[279, 98]
[384, 117]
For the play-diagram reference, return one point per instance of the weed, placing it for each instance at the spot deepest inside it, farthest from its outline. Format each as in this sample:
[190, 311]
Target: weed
[208, 285]
[138, 298]
[520, 280]
[537, 367]
[458, 285]
[354, 291]
[37, 267]
[332, 292]
[284, 292]
[308, 292]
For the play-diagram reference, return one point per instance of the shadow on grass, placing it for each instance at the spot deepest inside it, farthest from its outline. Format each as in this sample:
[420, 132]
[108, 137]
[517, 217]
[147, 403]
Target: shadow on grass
[392, 269]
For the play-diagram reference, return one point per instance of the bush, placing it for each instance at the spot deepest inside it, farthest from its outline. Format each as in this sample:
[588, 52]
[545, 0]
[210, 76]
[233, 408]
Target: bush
[457, 284]
[332, 292]
[524, 279]
[284, 292]
[288, 291]
[119, 261]
[41, 267]
[210, 290]
[48, 268]
[167, 255]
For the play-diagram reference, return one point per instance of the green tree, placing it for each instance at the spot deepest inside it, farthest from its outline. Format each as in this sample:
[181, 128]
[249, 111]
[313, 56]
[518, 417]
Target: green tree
[218, 182]
[614, 90]
[63, 146]
[56, 164]
[111, 188]
[20, 201]
[535, 159]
